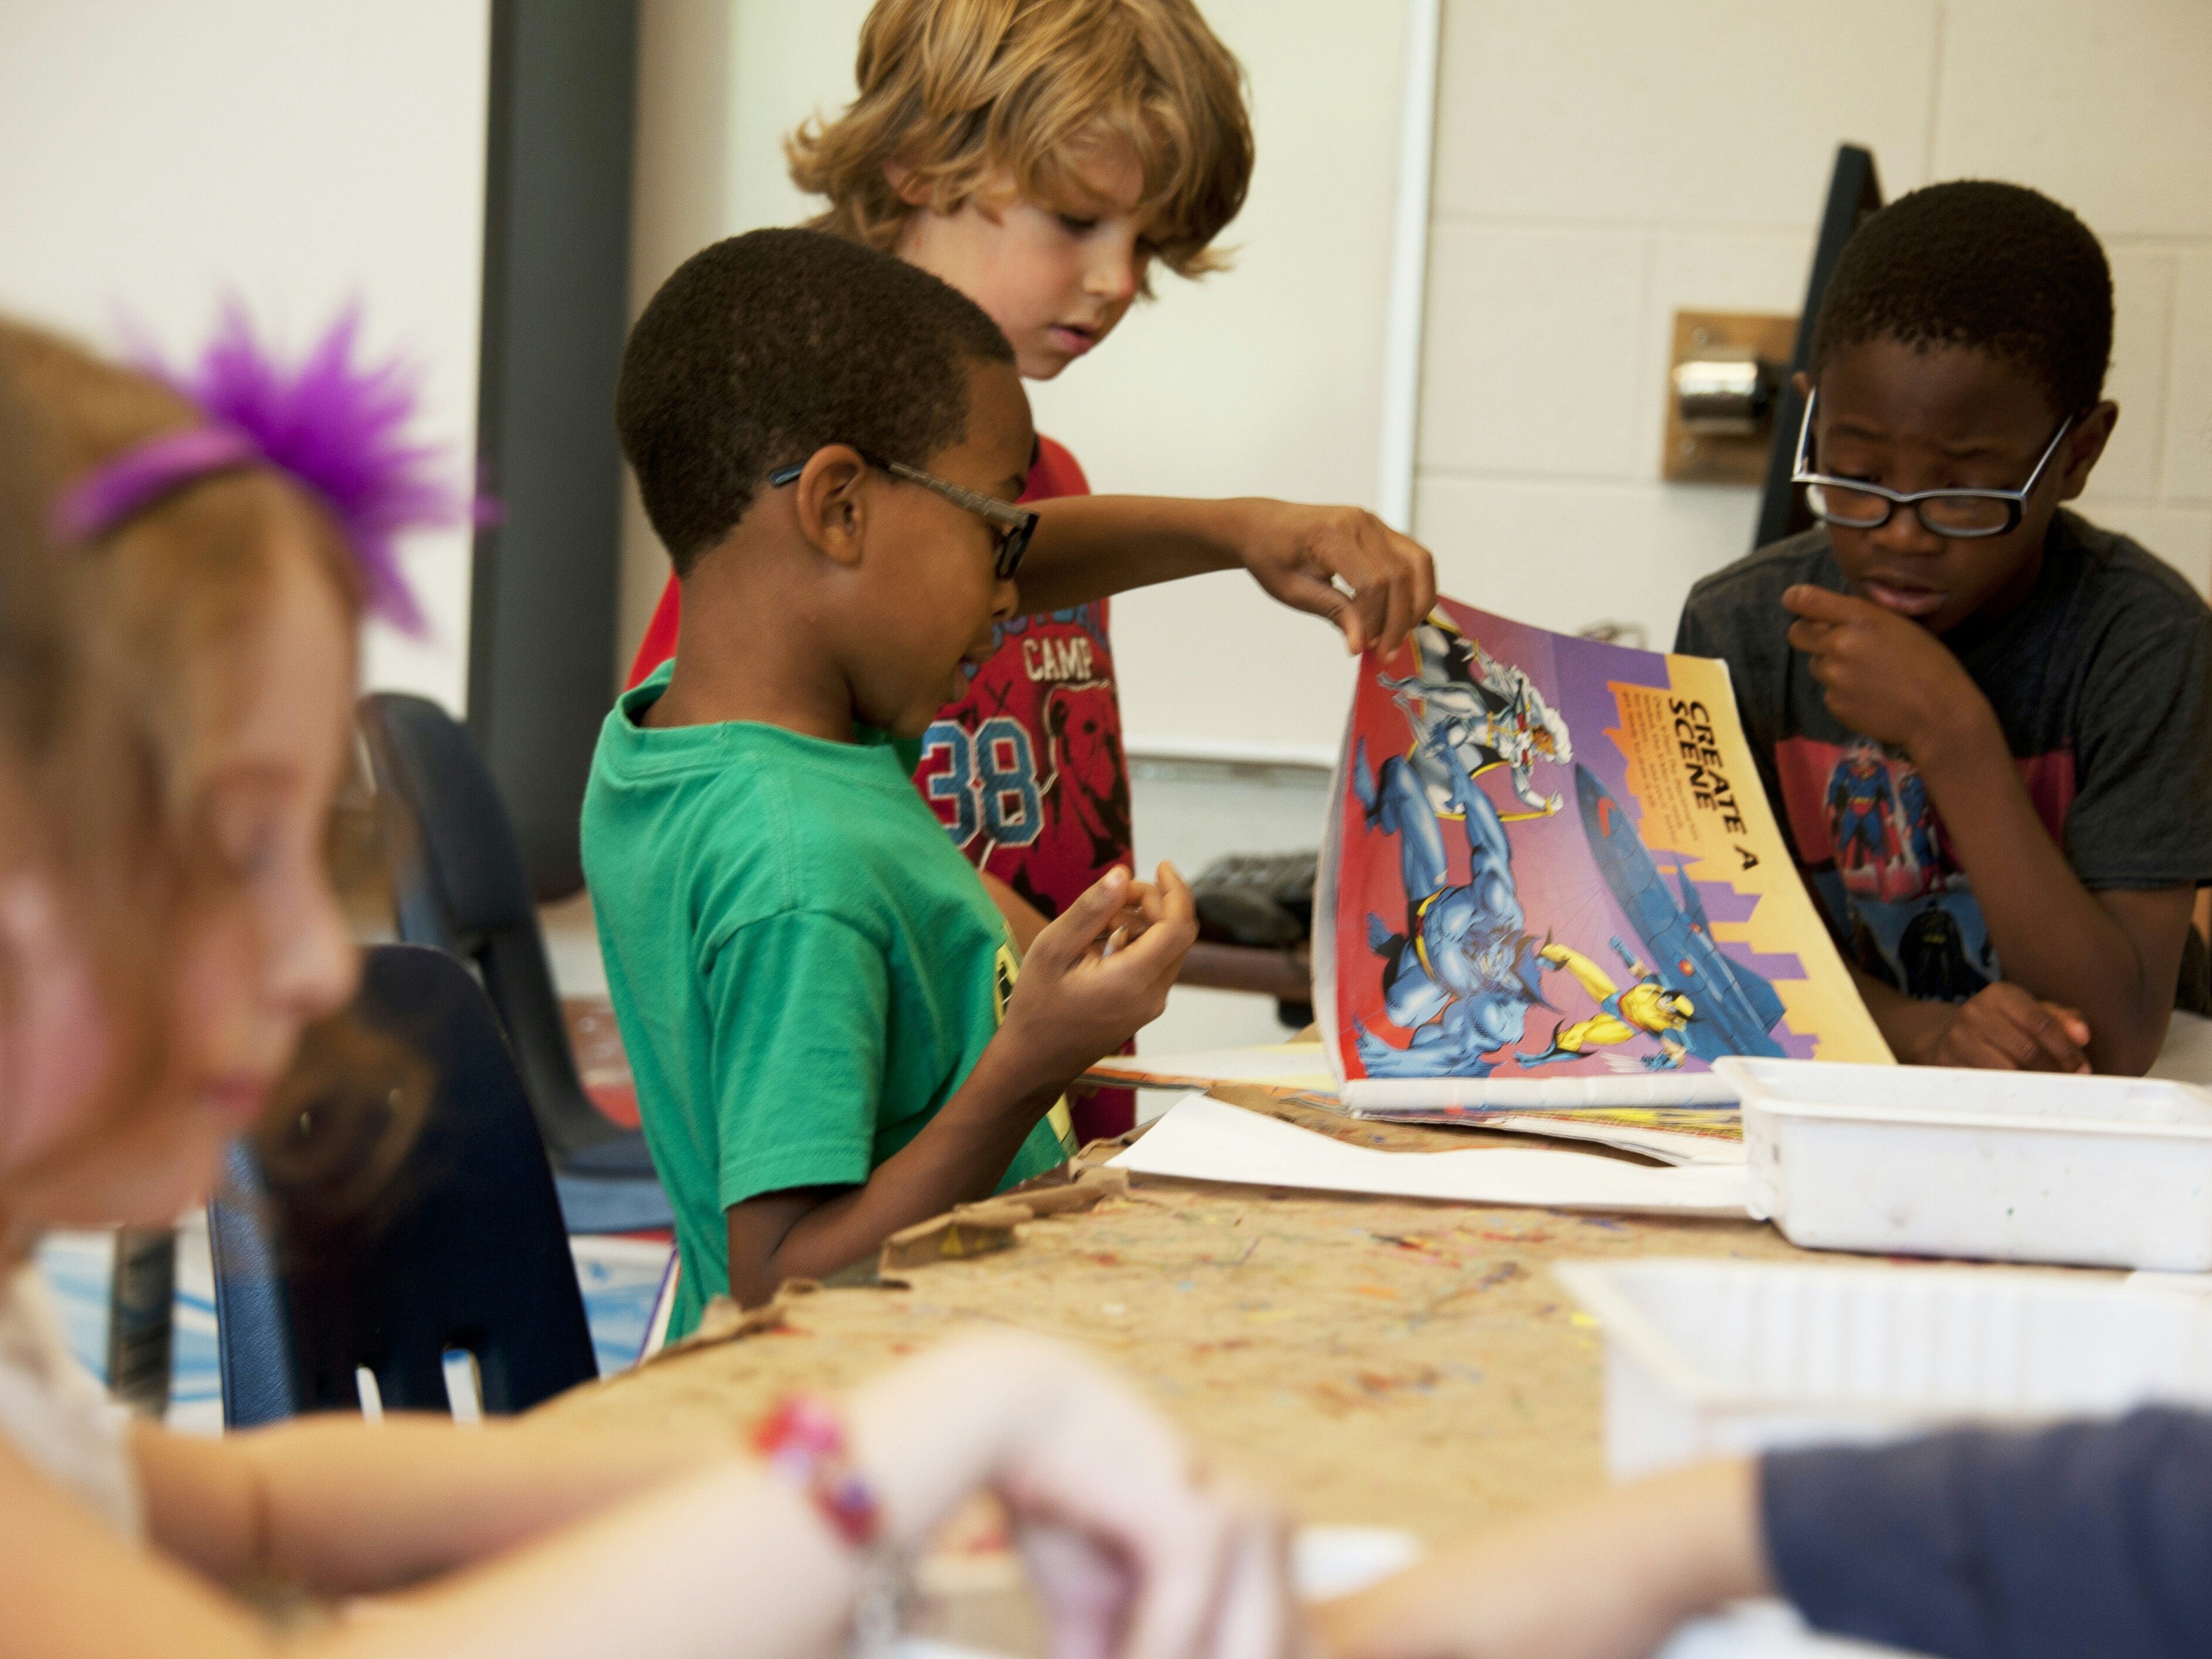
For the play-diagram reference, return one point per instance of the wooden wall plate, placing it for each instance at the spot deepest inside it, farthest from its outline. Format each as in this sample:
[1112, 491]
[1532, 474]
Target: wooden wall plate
[1701, 457]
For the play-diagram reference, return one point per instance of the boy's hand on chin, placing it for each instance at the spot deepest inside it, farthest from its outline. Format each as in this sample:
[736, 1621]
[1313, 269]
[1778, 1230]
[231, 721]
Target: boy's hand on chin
[1101, 969]
[2003, 1028]
[1298, 554]
[1886, 677]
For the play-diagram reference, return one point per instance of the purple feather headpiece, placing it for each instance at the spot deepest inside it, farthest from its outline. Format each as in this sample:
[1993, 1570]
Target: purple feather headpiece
[334, 426]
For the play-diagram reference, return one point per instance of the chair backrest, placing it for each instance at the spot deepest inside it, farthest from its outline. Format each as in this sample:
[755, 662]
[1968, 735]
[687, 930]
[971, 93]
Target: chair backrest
[459, 875]
[464, 1248]
[458, 884]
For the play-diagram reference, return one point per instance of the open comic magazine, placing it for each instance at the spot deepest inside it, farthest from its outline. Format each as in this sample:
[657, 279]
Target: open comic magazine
[1550, 880]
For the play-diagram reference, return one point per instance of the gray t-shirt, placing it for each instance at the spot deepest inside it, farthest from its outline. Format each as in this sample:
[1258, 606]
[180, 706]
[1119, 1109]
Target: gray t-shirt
[2102, 681]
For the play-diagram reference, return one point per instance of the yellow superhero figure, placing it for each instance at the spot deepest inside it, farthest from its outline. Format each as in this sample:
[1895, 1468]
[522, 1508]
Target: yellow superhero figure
[1646, 1008]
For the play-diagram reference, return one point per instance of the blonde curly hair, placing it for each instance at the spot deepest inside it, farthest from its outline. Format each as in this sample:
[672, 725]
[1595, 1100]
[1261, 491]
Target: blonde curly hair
[955, 91]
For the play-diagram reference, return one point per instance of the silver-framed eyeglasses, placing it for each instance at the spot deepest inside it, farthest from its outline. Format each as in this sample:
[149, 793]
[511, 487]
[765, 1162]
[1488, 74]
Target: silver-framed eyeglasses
[1014, 525]
[1956, 514]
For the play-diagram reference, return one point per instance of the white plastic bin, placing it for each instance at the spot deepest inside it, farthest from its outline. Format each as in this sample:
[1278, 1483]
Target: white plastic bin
[2008, 1166]
[1706, 1357]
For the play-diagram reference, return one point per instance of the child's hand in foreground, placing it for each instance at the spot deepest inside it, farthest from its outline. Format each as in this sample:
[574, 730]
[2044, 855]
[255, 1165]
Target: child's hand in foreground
[1299, 553]
[1885, 676]
[1135, 1551]
[1101, 970]
[2003, 1028]
[1606, 1578]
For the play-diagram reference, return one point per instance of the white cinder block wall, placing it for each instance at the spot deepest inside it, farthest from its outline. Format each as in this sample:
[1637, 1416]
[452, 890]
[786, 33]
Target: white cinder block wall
[1602, 164]
[156, 160]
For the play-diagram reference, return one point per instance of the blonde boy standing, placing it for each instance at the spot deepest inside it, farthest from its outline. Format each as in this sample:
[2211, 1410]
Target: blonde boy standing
[1040, 155]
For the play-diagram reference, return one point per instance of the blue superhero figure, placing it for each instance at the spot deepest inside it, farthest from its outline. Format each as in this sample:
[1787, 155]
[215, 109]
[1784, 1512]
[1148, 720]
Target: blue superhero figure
[1919, 821]
[1465, 972]
[1860, 803]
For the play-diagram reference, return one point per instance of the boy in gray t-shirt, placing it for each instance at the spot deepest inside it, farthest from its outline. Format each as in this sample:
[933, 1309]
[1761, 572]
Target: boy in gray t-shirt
[1989, 726]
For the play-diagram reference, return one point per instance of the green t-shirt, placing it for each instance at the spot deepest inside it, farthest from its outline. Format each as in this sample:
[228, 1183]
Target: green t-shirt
[802, 966]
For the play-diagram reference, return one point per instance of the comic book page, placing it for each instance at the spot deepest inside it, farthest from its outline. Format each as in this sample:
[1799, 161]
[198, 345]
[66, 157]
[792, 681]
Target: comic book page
[1550, 878]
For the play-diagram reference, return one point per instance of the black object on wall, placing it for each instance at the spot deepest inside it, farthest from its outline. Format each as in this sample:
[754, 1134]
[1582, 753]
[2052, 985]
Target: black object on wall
[556, 306]
[1854, 193]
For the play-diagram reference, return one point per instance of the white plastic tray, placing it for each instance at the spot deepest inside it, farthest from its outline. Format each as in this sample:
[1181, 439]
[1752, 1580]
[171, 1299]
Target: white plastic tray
[1707, 1358]
[2009, 1166]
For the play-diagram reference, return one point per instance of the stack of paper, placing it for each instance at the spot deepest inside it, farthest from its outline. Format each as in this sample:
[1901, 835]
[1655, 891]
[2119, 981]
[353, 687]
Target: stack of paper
[1203, 1139]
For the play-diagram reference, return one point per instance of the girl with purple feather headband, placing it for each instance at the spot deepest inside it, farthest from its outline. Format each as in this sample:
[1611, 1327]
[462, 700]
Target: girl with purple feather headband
[175, 701]
[336, 428]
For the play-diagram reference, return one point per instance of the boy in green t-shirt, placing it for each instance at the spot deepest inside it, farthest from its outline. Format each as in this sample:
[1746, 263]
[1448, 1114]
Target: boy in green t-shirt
[819, 999]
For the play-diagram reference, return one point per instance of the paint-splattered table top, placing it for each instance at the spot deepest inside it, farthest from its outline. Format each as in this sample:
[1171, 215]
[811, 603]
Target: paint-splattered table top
[1379, 1361]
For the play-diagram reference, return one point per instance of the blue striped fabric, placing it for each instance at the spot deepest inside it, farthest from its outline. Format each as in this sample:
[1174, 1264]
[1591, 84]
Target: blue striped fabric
[618, 1277]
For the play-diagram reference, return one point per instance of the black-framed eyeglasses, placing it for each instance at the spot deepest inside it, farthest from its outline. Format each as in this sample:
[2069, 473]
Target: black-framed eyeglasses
[1957, 514]
[1014, 525]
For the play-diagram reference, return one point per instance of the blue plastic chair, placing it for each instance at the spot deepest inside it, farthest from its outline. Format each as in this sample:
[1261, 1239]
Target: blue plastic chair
[462, 1249]
[458, 884]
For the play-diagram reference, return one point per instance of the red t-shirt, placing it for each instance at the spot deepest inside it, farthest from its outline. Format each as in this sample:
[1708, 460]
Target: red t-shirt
[1026, 772]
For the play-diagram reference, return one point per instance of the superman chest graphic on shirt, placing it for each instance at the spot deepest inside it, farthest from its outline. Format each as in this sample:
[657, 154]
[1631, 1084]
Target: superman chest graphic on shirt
[1876, 852]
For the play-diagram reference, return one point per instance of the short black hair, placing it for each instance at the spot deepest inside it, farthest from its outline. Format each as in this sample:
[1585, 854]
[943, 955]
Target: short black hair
[764, 348]
[1993, 267]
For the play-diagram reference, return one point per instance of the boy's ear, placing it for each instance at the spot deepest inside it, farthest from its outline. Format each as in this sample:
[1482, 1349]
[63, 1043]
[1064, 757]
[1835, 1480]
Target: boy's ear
[919, 194]
[906, 184]
[830, 505]
[2085, 447]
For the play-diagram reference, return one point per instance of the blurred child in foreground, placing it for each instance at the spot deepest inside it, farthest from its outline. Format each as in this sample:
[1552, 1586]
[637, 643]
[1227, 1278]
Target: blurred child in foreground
[176, 687]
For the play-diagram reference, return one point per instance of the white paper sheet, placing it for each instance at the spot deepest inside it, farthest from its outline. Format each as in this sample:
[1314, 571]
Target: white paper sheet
[1203, 1139]
[1764, 1629]
[2186, 1055]
[1664, 1145]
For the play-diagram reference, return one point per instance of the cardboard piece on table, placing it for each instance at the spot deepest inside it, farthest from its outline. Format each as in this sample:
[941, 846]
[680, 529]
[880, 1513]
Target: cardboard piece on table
[1079, 1190]
[1203, 1139]
[981, 1229]
[1299, 1067]
[970, 1229]
[724, 1320]
[1670, 1134]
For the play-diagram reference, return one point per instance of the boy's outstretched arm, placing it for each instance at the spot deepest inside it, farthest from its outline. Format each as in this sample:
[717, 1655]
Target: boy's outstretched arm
[1609, 1577]
[2089, 1537]
[2111, 955]
[1093, 977]
[1087, 547]
[2000, 1028]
